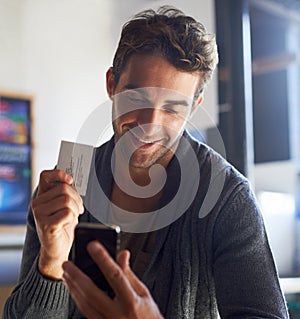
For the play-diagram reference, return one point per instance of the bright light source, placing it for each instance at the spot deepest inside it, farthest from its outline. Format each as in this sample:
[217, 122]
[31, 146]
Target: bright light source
[276, 203]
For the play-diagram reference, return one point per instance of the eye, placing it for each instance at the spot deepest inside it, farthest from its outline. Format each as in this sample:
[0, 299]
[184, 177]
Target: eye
[174, 108]
[135, 98]
[170, 109]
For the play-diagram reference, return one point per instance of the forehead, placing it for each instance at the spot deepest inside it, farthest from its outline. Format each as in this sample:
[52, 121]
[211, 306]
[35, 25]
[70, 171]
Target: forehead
[154, 71]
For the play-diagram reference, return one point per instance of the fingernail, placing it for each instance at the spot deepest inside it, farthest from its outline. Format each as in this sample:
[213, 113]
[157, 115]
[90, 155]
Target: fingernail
[83, 210]
[69, 179]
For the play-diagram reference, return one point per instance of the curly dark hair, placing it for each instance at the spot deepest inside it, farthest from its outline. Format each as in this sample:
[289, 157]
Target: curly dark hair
[180, 39]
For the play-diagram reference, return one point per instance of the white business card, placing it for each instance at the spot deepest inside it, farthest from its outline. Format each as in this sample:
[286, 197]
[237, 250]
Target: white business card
[75, 159]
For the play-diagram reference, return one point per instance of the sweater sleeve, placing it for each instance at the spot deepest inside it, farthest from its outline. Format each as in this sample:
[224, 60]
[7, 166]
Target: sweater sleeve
[246, 279]
[34, 295]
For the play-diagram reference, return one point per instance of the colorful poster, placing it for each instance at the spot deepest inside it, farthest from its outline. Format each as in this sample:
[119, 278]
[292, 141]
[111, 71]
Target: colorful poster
[15, 159]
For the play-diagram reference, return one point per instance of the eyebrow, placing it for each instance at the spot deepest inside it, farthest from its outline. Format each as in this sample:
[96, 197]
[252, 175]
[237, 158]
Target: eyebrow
[177, 102]
[142, 90]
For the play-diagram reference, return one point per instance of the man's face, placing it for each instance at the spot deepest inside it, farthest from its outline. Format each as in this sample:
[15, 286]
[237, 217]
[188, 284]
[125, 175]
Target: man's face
[151, 104]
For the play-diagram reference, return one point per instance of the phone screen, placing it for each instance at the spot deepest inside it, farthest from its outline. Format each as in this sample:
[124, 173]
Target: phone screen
[108, 237]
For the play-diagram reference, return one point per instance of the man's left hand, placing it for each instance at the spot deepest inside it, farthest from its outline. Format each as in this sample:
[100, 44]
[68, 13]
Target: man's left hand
[132, 298]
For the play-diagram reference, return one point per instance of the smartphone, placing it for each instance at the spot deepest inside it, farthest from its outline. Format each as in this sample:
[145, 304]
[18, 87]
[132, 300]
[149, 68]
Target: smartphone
[108, 236]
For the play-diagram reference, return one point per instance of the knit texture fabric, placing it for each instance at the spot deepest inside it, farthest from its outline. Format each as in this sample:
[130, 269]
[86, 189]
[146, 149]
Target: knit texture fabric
[201, 266]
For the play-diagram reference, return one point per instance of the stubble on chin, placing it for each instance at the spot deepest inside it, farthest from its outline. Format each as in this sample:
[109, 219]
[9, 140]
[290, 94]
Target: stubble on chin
[138, 158]
[146, 160]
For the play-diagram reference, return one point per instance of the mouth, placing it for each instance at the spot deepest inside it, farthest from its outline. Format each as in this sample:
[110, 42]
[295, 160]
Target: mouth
[143, 143]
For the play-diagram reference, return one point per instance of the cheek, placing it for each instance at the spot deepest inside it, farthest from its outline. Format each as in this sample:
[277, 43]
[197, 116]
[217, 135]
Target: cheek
[175, 122]
[126, 118]
[174, 126]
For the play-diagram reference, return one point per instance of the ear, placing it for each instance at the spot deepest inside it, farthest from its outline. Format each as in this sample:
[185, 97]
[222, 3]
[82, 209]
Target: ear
[197, 104]
[110, 82]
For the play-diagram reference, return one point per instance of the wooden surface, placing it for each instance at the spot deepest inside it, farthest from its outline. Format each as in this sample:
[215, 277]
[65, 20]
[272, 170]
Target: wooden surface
[4, 293]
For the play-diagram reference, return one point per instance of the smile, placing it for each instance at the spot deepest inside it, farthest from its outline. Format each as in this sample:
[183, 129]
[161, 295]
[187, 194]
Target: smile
[145, 141]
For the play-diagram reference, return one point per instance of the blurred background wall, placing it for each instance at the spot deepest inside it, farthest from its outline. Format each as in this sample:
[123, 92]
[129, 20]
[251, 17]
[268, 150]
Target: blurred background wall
[58, 52]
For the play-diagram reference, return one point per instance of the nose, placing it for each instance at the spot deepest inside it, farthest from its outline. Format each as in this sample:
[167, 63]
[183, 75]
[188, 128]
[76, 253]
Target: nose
[149, 120]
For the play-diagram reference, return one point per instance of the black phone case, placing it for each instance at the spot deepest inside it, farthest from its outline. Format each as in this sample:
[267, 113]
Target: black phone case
[108, 236]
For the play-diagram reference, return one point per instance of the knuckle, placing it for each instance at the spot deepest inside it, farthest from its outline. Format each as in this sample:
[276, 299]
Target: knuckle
[115, 275]
[145, 291]
[67, 213]
[133, 308]
[66, 200]
[64, 188]
[70, 215]
[43, 174]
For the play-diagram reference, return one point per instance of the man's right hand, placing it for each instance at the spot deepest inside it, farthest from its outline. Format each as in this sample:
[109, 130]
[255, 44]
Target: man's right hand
[56, 209]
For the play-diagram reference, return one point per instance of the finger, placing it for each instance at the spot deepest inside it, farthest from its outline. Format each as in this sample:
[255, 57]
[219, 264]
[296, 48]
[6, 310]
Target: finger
[58, 221]
[60, 203]
[70, 192]
[91, 301]
[60, 196]
[137, 285]
[112, 272]
[50, 177]
[123, 258]
[80, 298]
[56, 190]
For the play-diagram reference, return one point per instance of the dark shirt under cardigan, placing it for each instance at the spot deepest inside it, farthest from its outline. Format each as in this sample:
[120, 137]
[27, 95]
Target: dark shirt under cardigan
[198, 267]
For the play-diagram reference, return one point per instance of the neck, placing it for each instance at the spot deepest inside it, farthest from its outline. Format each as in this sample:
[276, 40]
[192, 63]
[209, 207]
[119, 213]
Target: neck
[137, 190]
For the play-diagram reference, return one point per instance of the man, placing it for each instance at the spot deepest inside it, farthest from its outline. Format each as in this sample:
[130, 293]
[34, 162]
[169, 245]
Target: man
[193, 246]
